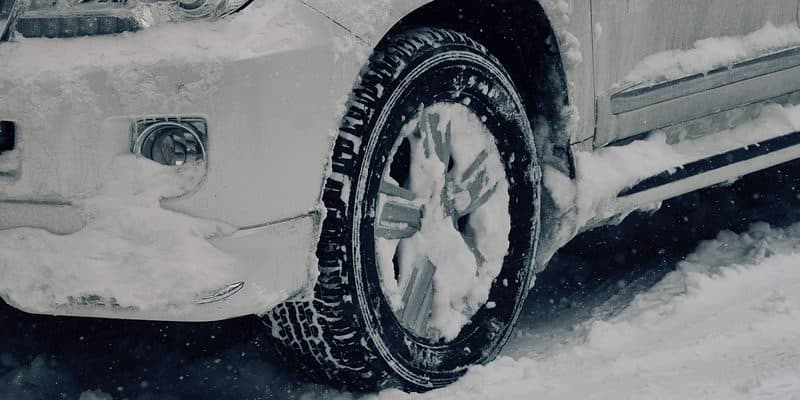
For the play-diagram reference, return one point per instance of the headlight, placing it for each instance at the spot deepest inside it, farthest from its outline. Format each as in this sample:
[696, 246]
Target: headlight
[69, 18]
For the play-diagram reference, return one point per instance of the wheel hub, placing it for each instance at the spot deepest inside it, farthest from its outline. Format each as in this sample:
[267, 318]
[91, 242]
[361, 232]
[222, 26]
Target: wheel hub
[442, 220]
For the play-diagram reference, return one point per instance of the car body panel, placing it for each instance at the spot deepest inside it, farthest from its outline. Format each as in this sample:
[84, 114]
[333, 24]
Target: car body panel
[272, 103]
[257, 107]
[273, 262]
[627, 32]
[688, 107]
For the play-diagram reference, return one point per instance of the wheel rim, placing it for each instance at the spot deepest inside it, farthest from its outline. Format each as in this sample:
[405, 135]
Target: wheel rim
[442, 221]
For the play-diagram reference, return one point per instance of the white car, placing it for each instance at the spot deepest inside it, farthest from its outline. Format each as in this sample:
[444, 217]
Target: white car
[380, 180]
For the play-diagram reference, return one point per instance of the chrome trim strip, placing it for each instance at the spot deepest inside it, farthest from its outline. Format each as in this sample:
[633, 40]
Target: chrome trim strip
[222, 293]
[772, 87]
[641, 96]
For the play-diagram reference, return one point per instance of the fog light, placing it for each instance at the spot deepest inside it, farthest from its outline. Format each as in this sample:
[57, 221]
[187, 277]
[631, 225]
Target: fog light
[7, 136]
[170, 143]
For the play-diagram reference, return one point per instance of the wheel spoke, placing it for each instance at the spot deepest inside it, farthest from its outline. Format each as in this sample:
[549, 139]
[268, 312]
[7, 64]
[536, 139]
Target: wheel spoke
[394, 190]
[398, 217]
[434, 138]
[474, 188]
[418, 296]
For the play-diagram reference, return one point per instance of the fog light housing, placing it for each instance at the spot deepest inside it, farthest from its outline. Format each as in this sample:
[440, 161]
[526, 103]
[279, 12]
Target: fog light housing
[8, 136]
[170, 141]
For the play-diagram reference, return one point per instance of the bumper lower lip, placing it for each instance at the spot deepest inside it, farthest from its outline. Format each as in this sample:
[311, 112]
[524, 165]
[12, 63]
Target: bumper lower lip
[260, 271]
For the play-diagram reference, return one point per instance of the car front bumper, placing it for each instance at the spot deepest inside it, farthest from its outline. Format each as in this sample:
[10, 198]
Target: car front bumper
[269, 82]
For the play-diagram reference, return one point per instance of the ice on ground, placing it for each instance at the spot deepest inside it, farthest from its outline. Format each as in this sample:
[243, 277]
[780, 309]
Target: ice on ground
[127, 236]
[711, 53]
[724, 325]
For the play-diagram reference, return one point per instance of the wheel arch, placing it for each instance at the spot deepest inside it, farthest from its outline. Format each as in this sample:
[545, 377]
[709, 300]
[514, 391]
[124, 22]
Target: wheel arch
[532, 40]
[522, 36]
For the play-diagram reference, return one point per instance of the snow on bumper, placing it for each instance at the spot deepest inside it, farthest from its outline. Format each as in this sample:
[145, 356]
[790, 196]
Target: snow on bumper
[268, 82]
[269, 261]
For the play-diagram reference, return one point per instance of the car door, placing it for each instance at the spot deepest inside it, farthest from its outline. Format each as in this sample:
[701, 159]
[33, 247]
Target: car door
[634, 97]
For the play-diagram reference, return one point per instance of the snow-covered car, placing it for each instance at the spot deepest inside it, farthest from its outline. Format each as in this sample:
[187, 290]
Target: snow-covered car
[379, 180]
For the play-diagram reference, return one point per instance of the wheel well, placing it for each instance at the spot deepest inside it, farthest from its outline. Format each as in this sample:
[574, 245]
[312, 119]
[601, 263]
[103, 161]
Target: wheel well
[521, 36]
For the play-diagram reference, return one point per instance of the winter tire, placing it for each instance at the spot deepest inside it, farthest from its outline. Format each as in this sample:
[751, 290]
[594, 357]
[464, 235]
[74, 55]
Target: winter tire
[426, 250]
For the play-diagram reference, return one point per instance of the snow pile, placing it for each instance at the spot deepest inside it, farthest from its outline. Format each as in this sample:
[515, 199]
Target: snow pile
[712, 53]
[127, 236]
[465, 262]
[725, 325]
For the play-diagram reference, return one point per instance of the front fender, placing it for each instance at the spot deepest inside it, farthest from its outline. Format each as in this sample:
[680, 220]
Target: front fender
[370, 20]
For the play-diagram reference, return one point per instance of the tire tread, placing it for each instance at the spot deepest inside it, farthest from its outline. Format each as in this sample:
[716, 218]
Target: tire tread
[324, 335]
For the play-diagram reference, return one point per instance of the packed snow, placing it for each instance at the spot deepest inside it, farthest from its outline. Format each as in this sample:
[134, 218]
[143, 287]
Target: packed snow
[711, 53]
[127, 235]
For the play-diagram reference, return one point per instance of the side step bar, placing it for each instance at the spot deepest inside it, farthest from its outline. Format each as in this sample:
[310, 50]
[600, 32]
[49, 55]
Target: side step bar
[713, 170]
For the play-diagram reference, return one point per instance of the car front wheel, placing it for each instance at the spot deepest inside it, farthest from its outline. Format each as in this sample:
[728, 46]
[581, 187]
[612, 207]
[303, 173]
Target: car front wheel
[426, 250]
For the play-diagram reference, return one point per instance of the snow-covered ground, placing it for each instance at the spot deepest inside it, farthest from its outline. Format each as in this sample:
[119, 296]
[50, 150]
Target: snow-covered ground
[639, 311]
[724, 325]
